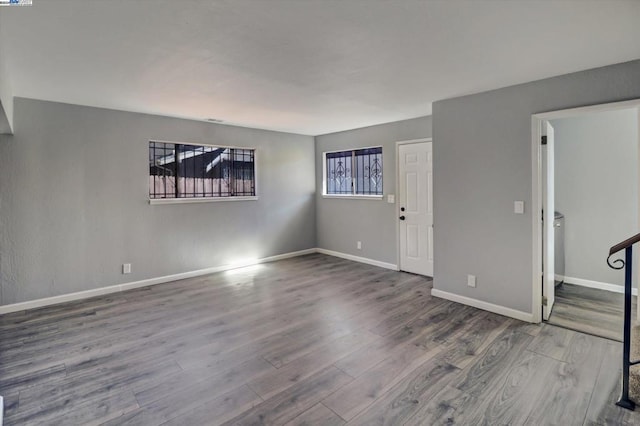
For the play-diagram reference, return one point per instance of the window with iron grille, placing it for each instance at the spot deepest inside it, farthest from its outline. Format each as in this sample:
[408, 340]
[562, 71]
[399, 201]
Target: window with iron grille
[354, 172]
[200, 171]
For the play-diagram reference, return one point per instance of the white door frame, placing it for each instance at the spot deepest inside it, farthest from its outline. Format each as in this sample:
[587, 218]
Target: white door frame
[548, 219]
[536, 193]
[398, 143]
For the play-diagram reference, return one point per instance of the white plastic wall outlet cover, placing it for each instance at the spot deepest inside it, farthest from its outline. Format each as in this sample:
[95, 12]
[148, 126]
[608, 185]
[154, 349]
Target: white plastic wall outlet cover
[391, 198]
[471, 280]
[518, 207]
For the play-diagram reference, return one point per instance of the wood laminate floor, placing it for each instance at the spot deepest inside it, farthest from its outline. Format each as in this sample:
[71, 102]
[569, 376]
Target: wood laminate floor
[310, 340]
[590, 310]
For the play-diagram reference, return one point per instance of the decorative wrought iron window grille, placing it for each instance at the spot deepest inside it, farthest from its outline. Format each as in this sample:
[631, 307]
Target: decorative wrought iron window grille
[200, 171]
[354, 172]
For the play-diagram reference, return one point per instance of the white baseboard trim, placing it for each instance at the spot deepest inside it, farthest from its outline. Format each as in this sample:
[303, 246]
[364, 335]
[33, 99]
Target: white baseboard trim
[38, 303]
[358, 259]
[70, 297]
[497, 309]
[599, 285]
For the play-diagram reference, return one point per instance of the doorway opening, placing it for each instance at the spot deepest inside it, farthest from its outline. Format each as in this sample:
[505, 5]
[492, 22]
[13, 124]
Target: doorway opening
[586, 190]
[414, 160]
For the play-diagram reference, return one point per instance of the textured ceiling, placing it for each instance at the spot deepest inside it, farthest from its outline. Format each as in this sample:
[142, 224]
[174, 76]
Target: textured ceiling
[308, 66]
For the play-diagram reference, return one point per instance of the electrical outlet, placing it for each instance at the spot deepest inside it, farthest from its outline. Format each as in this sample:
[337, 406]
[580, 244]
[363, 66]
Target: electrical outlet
[126, 268]
[471, 280]
[359, 245]
[518, 207]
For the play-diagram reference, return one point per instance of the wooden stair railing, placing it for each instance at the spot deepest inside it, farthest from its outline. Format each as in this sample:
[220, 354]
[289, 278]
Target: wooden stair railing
[627, 246]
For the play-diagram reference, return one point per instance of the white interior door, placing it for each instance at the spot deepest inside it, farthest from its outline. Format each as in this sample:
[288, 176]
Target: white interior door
[548, 268]
[415, 167]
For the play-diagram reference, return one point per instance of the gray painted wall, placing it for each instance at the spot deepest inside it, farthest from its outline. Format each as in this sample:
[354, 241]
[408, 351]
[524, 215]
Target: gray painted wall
[343, 222]
[73, 201]
[482, 163]
[596, 188]
[6, 96]
[5, 127]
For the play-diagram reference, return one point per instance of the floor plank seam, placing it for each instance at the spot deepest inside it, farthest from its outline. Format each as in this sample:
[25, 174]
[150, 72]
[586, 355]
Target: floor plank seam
[180, 365]
[135, 395]
[586, 413]
[255, 391]
[329, 408]
[547, 356]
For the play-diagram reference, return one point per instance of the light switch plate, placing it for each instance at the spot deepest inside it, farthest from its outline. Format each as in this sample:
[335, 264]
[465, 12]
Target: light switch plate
[471, 280]
[391, 198]
[518, 207]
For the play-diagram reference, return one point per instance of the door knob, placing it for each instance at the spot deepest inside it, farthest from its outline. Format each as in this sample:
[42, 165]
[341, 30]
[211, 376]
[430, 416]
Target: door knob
[401, 209]
[402, 217]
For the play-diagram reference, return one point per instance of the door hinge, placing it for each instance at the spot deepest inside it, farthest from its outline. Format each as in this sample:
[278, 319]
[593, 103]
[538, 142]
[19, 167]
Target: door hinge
[543, 140]
[544, 300]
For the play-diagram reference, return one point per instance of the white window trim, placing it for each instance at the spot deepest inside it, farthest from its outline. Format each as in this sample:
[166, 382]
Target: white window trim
[353, 195]
[191, 200]
[199, 200]
[203, 144]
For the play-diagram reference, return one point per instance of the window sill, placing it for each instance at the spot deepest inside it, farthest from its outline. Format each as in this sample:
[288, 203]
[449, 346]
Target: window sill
[355, 197]
[198, 200]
